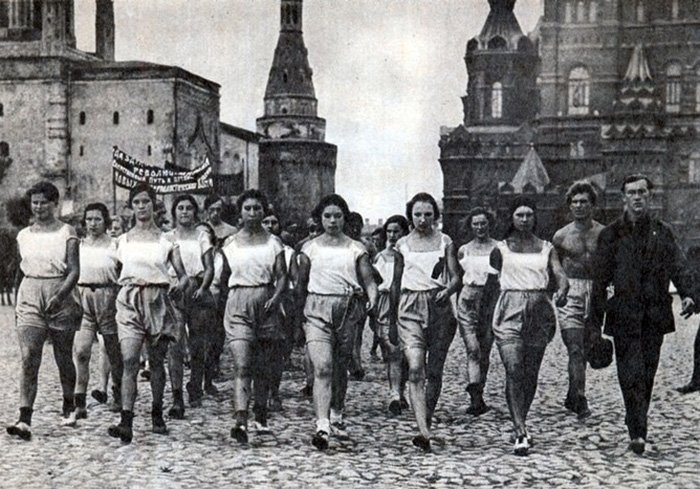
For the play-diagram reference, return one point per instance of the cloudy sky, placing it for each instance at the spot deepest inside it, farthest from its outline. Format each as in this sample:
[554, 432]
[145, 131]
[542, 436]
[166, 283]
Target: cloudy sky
[388, 74]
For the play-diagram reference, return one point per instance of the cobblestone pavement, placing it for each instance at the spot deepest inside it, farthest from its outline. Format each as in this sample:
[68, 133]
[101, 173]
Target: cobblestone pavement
[469, 451]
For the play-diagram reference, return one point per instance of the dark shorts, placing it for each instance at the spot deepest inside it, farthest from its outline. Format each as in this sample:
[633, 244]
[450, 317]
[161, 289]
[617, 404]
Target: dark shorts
[525, 317]
[245, 317]
[423, 322]
[473, 315]
[99, 309]
[146, 311]
[334, 319]
[32, 296]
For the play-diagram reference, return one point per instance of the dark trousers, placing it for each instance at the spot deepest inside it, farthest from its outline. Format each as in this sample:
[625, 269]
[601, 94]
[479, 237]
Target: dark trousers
[637, 359]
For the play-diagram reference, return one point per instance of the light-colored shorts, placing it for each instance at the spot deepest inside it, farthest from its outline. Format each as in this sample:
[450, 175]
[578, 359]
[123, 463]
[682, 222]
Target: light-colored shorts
[577, 310]
[524, 316]
[422, 322]
[334, 319]
[99, 308]
[32, 296]
[146, 311]
[473, 315]
[245, 317]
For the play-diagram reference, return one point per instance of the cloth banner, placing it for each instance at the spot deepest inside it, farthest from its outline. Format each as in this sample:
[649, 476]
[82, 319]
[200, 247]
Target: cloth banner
[128, 171]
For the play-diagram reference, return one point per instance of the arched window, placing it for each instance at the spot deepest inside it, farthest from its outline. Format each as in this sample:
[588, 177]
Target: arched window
[568, 12]
[115, 118]
[593, 12]
[641, 16]
[4, 149]
[285, 76]
[497, 100]
[149, 116]
[579, 91]
[673, 88]
[497, 42]
[149, 150]
[580, 11]
[2, 110]
[81, 151]
[81, 118]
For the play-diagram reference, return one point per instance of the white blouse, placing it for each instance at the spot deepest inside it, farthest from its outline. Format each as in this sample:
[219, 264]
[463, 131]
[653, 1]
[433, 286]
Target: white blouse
[333, 268]
[98, 264]
[385, 267]
[144, 262]
[44, 253]
[524, 271]
[252, 266]
[192, 252]
[419, 267]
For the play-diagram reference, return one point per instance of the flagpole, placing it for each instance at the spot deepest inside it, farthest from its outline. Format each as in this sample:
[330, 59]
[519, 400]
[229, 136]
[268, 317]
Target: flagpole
[114, 195]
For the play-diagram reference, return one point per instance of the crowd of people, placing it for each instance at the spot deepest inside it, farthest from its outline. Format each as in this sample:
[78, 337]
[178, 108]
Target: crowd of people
[205, 286]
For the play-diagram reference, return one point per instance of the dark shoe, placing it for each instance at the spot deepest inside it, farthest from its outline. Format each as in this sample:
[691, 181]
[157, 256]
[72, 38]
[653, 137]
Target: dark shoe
[146, 375]
[404, 403]
[99, 396]
[688, 388]
[239, 433]
[395, 407]
[521, 446]
[582, 410]
[307, 391]
[478, 409]
[177, 411]
[20, 430]
[211, 389]
[194, 396]
[275, 404]
[81, 413]
[638, 445]
[358, 374]
[320, 440]
[570, 403]
[159, 426]
[124, 433]
[421, 442]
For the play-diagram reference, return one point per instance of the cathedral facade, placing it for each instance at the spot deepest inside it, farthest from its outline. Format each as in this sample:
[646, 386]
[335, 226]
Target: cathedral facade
[600, 89]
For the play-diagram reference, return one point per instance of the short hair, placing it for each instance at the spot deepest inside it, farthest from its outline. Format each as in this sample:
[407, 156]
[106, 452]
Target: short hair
[210, 200]
[634, 178]
[252, 193]
[355, 219]
[397, 219]
[139, 188]
[182, 198]
[582, 187]
[520, 201]
[46, 188]
[478, 211]
[97, 206]
[422, 197]
[327, 200]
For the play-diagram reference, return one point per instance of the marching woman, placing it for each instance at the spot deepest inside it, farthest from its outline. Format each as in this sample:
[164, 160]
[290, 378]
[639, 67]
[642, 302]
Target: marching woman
[257, 279]
[99, 272]
[145, 313]
[389, 265]
[48, 305]
[475, 308]
[524, 320]
[333, 271]
[426, 324]
[195, 307]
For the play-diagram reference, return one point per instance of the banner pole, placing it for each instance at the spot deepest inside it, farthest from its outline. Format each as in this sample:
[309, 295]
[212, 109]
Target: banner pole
[114, 195]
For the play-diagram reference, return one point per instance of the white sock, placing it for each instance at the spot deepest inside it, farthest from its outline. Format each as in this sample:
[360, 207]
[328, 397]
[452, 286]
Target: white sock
[336, 416]
[323, 424]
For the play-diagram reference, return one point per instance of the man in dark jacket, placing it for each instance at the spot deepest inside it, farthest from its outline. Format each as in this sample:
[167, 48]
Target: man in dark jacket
[638, 255]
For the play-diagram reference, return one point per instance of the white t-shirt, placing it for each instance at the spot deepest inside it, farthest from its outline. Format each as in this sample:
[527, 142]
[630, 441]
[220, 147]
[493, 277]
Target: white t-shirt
[145, 262]
[44, 253]
[252, 266]
[333, 268]
[524, 271]
[192, 252]
[385, 267]
[98, 264]
[419, 267]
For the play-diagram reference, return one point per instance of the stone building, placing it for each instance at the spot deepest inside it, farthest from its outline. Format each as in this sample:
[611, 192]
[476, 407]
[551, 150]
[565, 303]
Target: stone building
[62, 109]
[296, 166]
[617, 90]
